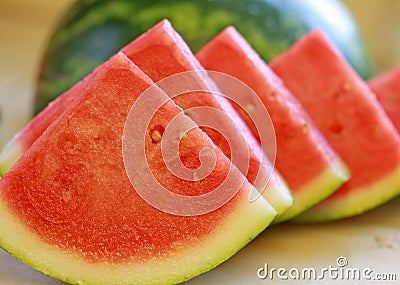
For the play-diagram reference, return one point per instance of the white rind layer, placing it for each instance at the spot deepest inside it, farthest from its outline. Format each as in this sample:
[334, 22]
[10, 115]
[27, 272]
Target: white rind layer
[356, 202]
[10, 154]
[317, 190]
[245, 222]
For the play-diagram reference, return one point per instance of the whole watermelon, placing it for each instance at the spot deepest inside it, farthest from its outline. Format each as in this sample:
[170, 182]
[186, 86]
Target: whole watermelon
[92, 30]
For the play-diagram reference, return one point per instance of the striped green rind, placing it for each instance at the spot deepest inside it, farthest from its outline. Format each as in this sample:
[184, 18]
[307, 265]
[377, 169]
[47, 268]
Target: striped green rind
[93, 30]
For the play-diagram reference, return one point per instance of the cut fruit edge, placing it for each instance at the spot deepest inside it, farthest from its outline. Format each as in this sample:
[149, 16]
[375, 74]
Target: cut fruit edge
[23, 140]
[220, 246]
[278, 194]
[329, 180]
[10, 154]
[360, 200]
[386, 87]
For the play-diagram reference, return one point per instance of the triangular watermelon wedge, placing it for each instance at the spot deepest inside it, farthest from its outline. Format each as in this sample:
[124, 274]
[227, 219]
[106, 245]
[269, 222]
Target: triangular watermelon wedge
[350, 117]
[69, 210]
[304, 158]
[164, 48]
[386, 86]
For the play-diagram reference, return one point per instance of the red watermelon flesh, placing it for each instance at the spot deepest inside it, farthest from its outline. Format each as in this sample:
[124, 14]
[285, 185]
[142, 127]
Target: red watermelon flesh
[387, 89]
[181, 59]
[162, 47]
[350, 117]
[68, 209]
[23, 140]
[304, 158]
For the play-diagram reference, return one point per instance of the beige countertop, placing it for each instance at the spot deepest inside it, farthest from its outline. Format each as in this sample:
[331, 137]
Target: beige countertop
[370, 241]
[379, 22]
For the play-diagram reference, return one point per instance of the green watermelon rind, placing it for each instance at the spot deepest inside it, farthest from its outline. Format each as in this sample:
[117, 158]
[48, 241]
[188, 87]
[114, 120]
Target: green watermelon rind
[329, 181]
[66, 267]
[359, 201]
[92, 31]
[10, 154]
[279, 195]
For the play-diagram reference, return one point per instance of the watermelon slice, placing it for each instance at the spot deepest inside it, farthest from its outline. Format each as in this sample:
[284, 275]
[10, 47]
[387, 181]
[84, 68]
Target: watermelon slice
[162, 46]
[305, 160]
[167, 50]
[69, 210]
[350, 117]
[387, 89]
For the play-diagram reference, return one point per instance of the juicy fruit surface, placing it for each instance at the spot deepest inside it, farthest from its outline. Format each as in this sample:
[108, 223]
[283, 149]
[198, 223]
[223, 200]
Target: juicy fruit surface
[351, 119]
[164, 48]
[303, 155]
[161, 46]
[24, 139]
[92, 31]
[77, 216]
[387, 89]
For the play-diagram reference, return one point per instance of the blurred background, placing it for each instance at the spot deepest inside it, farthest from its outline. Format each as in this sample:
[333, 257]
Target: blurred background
[25, 27]
[379, 22]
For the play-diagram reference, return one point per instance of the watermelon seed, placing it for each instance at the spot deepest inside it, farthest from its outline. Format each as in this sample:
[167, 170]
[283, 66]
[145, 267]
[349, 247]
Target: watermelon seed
[375, 128]
[250, 108]
[346, 86]
[182, 135]
[306, 128]
[195, 176]
[156, 134]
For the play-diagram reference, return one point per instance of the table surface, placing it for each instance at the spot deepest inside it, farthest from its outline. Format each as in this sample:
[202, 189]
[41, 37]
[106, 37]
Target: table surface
[371, 240]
